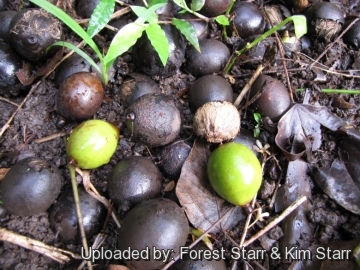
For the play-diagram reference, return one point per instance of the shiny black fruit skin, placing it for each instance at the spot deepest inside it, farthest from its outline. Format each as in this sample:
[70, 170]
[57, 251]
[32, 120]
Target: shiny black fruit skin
[324, 20]
[212, 58]
[30, 187]
[352, 36]
[247, 19]
[154, 119]
[80, 96]
[274, 100]
[173, 157]
[64, 221]
[5, 19]
[10, 63]
[209, 88]
[159, 223]
[85, 8]
[147, 60]
[135, 86]
[213, 8]
[32, 31]
[73, 64]
[133, 180]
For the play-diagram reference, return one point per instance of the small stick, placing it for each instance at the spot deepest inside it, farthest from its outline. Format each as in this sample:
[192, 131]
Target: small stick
[278, 219]
[7, 125]
[89, 187]
[247, 222]
[78, 213]
[199, 239]
[9, 101]
[37, 246]
[248, 85]
[50, 137]
[281, 50]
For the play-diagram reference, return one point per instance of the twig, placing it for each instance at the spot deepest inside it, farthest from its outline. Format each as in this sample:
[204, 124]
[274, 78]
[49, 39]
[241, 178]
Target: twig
[99, 240]
[50, 137]
[7, 125]
[332, 43]
[199, 239]
[78, 213]
[9, 101]
[275, 221]
[248, 85]
[115, 15]
[54, 253]
[89, 187]
[281, 50]
[242, 239]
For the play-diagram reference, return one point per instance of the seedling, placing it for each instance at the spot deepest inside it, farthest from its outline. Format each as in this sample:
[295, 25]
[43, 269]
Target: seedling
[300, 30]
[126, 37]
[257, 118]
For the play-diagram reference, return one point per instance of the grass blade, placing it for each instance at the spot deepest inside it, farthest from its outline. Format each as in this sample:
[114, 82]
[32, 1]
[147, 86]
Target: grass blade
[100, 17]
[79, 52]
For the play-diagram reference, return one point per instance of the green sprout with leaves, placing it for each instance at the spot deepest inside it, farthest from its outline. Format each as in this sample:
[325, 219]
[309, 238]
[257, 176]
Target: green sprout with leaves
[300, 28]
[127, 36]
[257, 117]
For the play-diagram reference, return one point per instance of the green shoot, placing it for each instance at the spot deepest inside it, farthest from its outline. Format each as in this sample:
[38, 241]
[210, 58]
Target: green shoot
[335, 91]
[300, 29]
[128, 35]
[123, 40]
[257, 117]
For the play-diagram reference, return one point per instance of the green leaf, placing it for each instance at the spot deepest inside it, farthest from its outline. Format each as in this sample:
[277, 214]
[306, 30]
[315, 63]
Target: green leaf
[299, 25]
[101, 16]
[123, 40]
[79, 52]
[222, 20]
[159, 41]
[73, 25]
[181, 3]
[145, 15]
[197, 4]
[154, 2]
[188, 31]
[257, 117]
[138, 10]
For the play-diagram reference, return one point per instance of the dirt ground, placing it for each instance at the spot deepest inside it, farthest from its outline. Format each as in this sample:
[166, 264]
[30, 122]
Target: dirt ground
[37, 119]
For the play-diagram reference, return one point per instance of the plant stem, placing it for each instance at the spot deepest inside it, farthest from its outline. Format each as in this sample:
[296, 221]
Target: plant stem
[335, 91]
[252, 44]
[78, 212]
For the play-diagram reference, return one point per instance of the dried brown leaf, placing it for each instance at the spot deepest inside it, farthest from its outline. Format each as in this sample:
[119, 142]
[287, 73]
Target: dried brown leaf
[296, 227]
[202, 206]
[299, 129]
[337, 183]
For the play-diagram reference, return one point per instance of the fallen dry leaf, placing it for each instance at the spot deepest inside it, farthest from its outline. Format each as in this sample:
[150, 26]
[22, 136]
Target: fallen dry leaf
[296, 227]
[337, 183]
[200, 202]
[299, 129]
[3, 172]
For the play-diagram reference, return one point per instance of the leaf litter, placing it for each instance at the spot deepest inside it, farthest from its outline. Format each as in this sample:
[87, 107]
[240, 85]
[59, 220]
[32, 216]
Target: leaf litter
[202, 206]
